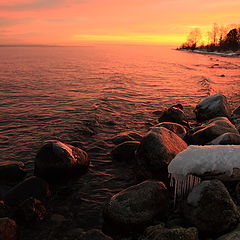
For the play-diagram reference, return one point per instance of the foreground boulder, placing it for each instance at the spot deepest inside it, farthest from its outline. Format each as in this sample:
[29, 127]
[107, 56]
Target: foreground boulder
[174, 127]
[11, 171]
[137, 206]
[8, 229]
[56, 161]
[32, 187]
[156, 151]
[211, 107]
[158, 232]
[209, 131]
[125, 151]
[210, 208]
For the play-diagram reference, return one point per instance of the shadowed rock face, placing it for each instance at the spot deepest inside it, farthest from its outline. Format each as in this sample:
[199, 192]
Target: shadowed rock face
[226, 139]
[211, 107]
[210, 208]
[56, 161]
[158, 232]
[136, 206]
[8, 229]
[209, 131]
[156, 151]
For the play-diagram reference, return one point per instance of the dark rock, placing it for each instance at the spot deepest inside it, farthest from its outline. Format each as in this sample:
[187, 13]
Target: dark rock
[174, 127]
[137, 206]
[30, 210]
[156, 151]
[173, 114]
[4, 210]
[209, 131]
[233, 235]
[125, 151]
[11, 171]
[211, 107]
[8, 229]
[32, 187]
[158, 232]
[236, 111]
[226, 139]
[94, 234]
[210, 208]
[57, 161]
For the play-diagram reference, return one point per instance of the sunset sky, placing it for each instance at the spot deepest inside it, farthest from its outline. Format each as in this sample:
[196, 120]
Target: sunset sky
[77, 22]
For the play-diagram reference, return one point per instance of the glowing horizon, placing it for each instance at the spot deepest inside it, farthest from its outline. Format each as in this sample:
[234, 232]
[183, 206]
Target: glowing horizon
[77, 22]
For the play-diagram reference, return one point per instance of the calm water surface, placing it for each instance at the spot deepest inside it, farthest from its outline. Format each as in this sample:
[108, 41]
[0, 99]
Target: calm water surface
[85, 95]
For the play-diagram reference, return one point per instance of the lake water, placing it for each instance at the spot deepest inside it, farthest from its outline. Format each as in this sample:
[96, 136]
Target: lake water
[85, 95]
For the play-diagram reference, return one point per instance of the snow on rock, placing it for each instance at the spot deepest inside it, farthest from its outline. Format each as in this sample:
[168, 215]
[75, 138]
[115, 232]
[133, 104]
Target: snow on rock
[212, 106]
[202, 159]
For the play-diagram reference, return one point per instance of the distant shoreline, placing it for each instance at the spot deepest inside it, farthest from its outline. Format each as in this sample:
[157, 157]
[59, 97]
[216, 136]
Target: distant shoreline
[222, 54]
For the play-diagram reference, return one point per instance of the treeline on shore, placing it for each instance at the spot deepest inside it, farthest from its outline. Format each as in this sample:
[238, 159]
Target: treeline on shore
[220, 38]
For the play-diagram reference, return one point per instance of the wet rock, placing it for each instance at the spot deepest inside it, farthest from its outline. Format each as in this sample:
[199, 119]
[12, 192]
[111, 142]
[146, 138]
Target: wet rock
[32, 187]
[4, 210]
[210, 208]
[156, 151]
[125, 151]
[57, 161]
[207, 132]
[30, 210]
[137, 205]
[226, 139]
[233, 235]
[94, 234]
[213, 106]
[8, 229]
[173, 114]
[174, 127]
[159, 232]
[11, 171]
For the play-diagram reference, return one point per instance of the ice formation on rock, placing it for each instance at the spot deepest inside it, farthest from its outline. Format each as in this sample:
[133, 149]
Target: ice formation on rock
[197, 160]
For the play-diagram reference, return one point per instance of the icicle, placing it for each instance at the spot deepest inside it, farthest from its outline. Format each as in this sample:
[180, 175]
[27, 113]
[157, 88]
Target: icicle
[183, 186]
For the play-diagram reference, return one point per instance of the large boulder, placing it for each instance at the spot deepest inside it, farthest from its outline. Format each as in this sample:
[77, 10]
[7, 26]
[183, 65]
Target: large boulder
[11, 171]
[210, 208]
[125, 151]
[174, 127]
[137, 205]
[173, 114]
[158, 232]
[156, 151]
[207, 132]
[226, 139]
[8, 229]
[32, 187]
[213, 106]
[56, 161]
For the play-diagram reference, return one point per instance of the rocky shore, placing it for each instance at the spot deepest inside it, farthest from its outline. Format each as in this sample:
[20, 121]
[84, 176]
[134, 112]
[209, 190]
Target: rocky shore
[187, 182]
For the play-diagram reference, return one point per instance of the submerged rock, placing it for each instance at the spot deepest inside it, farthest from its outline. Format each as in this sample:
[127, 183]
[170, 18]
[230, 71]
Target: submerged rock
[236, 111]
[173, 114]
[57, 161]
[11, 171]
[226, 139]
[126, 137]
[209, 131]
[125, 151]
[156, 151]
[158, 232]
[174, 127]
[213, 106]
[30, 210]
[8, 229]
[32, 187]
[210, 208]
[137, 206]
